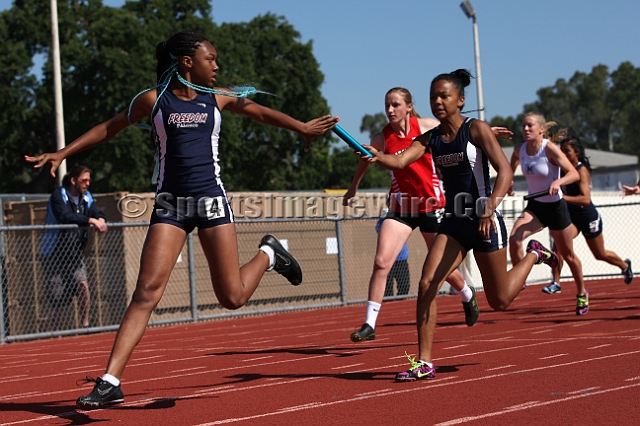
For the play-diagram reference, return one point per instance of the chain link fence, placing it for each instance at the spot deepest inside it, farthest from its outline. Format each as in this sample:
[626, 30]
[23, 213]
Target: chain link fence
[41, 298]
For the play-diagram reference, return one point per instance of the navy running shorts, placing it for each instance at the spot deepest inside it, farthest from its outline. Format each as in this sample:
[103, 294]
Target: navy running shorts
[428, 222]
[189, 212]
[465, 231]
[587, 219]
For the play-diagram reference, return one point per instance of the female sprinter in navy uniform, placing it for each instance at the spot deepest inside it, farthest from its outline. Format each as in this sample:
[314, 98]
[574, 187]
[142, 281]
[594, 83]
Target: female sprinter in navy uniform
[185, 111]
[462, 149]
[585, 217]
[416, 200]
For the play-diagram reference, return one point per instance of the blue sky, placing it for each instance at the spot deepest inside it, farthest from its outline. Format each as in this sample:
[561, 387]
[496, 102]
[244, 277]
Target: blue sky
[365, 47]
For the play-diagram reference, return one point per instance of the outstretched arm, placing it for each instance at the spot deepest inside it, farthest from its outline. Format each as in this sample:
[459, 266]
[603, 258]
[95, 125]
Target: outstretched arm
[630, 190]
[502, 132]
[98, 134]
[309, 130]
[416, 150]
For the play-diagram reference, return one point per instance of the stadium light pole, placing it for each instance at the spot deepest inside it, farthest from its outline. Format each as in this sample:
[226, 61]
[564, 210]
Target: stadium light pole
[57, 87]
[471, 14]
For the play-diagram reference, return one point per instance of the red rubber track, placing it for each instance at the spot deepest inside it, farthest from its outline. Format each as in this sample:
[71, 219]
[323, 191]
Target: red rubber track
[536, 363]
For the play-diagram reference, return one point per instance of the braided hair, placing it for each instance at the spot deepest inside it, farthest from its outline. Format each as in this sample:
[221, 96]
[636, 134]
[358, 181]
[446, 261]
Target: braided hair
[183, 43]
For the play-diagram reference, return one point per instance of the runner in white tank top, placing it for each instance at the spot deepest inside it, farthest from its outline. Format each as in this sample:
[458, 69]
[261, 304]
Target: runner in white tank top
[535, 155]
[539, 171]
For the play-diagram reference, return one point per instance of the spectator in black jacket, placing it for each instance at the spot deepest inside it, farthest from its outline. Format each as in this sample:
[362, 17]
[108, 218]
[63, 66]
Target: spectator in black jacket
[65, 272]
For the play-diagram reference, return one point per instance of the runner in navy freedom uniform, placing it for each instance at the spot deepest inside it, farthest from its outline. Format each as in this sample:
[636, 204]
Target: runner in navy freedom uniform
[585, 217]
[462, 150]
[189, 189]
[185, 108]
[416, 201]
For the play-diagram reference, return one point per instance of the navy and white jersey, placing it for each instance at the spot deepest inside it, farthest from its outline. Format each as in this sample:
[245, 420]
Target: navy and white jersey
[463, 166]
[586, 218]
[188, 134]
[572, 189]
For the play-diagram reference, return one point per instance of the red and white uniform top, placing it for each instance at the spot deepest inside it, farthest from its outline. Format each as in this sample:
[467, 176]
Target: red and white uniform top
[416, 188]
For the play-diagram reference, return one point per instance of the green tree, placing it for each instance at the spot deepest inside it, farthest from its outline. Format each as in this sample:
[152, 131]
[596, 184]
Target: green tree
[104, 61]
[107, 56]
[601, 108]
[266, 52]
[18, 35]
[625, 109]
[373, 124]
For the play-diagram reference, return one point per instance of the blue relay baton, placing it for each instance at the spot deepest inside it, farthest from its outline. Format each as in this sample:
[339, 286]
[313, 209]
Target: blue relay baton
[351, 141]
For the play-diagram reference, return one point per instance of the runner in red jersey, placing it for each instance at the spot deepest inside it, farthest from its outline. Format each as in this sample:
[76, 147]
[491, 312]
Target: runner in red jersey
[417, 188]
[416, 200]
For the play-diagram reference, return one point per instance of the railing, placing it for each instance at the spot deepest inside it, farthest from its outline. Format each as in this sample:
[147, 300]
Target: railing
[336, 255]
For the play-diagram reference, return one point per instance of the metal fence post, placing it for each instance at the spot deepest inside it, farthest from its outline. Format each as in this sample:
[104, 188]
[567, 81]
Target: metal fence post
[343, 281]
[192, 278]
[4, 322]
[3, 297]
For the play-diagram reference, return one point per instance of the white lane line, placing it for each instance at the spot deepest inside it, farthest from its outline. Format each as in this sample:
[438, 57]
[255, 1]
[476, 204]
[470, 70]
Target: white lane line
[520, 407]
[15, 377]
[601, 346]
[398, 357]
[347, 366]
[299, 407]
[24, 394]
[523, 405]
[215, 389]
[186, 369]
[583, 391]
[150, 379]
[583, 323]
[82, 368]
[531, 405]
[256, 359]
[455, 347]
[374, 392]
[500, 368]
[29, 363]
[437, 384]
[171, 376]
[165, 361]
[149, 357]
[553, 356]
